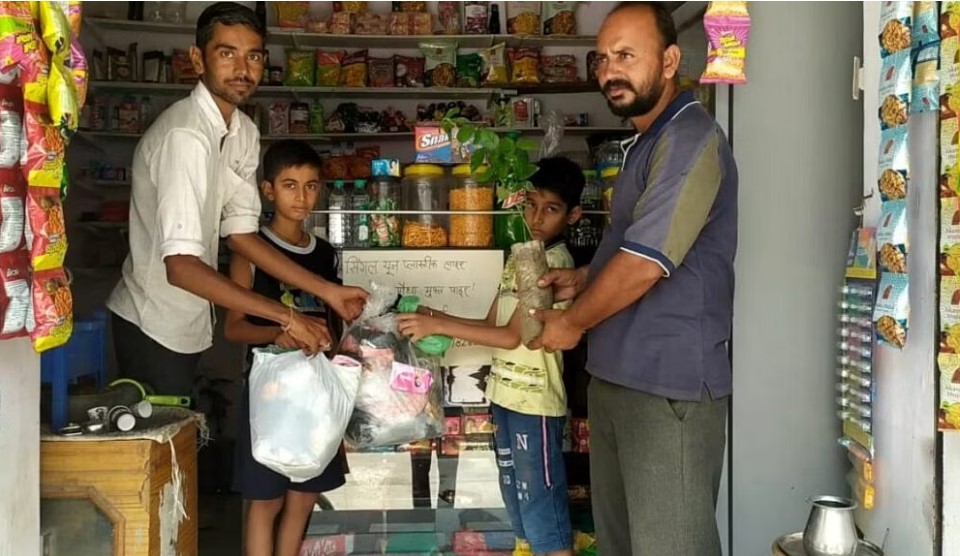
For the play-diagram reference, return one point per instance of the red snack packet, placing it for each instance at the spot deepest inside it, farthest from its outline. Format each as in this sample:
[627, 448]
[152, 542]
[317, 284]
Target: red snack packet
[52, 310]
[14, 294]
[47, 232]
[45, 152]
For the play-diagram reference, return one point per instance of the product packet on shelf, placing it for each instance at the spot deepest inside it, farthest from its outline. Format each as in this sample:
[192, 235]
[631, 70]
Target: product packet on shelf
[45, 152]
[892, 238]
[896, 21]
[926, 80]
[14, 293]
[12, 201]
[892, 310]
[925, 28]
[52, 309]
[727, 26]
[895, 88]
[48, 246]
[893, 166]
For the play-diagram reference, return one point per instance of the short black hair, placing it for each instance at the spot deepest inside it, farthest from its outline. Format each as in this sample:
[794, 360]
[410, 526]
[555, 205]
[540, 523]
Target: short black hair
[289, 153]
[562, 177]
[226, 13]
[663, 16]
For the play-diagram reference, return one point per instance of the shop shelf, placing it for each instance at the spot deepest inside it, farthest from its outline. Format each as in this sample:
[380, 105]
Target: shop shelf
[364, 136]
[340, 92]
[108, 24]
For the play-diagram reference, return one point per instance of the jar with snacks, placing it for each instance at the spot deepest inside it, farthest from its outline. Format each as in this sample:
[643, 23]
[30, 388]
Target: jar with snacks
[424, 190]
[609, 176]
[468, 194]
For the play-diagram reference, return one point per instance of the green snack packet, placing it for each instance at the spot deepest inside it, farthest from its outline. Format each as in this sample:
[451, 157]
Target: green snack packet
[435, 344]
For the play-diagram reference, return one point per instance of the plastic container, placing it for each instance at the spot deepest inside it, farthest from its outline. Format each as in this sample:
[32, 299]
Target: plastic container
[337, 225]
[468, 194]
[591, 197]
[385, 195]
[425, 191]
[609, 176]
[609, 154]
[360, 223]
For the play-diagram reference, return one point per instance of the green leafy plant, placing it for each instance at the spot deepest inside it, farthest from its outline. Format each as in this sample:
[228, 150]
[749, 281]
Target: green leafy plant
[506, 157]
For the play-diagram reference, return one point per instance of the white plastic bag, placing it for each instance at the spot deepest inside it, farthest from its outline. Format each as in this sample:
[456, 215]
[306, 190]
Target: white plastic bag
[299, 410]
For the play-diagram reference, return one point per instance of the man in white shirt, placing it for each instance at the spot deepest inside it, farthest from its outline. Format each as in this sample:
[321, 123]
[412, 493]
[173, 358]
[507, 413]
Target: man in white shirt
[194, 181]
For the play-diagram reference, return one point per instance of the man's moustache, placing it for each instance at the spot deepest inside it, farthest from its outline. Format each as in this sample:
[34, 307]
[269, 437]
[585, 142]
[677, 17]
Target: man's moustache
[622, 84]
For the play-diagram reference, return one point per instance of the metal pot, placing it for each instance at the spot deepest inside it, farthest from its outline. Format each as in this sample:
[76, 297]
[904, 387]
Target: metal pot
[830, 528]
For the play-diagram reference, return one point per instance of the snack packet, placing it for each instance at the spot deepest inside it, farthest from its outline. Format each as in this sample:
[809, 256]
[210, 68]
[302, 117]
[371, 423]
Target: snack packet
[43, 166]
[301, 68]
[52, 309]
[892, 240]
[17, 35]
[524, 65]
[949, 237]
[926, 80]
[55, 29]
[328, 68]
[895, 88]
[892, 310]
[381, 72]
[475, 17]
[494, 65]
[893, 166]
[62, 99]
[948, 417]
[49, 234]
[11, 125]
[291, 14]
[896, 20]
[441, 58]
[14, 294]
[35, 78]
[12, 197]
[560, 18]
[469, 68]
[448, 16]
[354, 71]
[523, 18]
[728, 36]
[78, 68]
[409, 71]
[924, 30]
[949, 144]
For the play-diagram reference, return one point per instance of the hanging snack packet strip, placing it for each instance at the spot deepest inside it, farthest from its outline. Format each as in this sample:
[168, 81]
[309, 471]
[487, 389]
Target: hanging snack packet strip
[727, 25]
[14, 294]
[52, 309]
[45, 152]
[48, 246]
[896, 22]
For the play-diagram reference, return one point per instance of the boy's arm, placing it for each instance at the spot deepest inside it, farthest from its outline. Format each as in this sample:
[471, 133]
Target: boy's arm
[489, 320]
[417, 326]
[237, 328]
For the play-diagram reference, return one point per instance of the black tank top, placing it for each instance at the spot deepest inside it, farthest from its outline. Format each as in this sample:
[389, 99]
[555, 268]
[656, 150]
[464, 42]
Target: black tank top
[319, 257]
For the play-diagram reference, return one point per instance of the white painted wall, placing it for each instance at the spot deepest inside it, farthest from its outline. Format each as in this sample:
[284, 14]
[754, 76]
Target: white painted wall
[797, 140]
[19, 449]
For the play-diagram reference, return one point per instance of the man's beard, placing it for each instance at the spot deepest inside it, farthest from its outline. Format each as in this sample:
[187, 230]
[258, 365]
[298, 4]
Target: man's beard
[230, 95]
[642, 103]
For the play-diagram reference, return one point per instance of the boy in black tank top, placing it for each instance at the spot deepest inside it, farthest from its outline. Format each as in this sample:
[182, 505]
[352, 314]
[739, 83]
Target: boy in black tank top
[292, 182]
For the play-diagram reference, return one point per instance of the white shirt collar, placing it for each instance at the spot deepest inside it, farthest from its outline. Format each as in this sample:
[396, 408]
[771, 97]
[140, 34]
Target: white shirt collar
[208, 107]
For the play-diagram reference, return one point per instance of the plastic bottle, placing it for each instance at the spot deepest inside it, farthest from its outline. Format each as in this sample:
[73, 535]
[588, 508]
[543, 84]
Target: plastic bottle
[337, 223]
[360, 223]
[494, 20]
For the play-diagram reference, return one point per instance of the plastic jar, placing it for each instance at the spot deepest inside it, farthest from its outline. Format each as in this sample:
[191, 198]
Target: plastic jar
[385, 228]
[424, 190]
[468, 194]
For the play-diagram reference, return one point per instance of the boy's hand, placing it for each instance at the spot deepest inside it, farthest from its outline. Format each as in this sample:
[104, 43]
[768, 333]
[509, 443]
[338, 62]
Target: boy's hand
[286, 341]
[416, 326]
[347, 301]
[567, 283]
[310, 334]
[558, 334]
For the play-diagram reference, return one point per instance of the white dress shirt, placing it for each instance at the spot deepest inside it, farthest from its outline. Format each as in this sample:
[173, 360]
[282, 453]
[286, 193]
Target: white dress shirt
[194, 180]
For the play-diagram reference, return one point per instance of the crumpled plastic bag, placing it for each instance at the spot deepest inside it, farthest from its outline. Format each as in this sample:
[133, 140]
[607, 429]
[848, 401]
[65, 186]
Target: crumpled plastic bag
[299, 410]
[400, 398]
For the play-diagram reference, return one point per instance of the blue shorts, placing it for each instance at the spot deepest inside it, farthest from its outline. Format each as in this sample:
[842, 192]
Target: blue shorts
[533, 478]
[255, 481]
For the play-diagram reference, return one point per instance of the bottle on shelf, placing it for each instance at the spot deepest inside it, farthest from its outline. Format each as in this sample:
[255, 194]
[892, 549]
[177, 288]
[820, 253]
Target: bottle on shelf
[146, 114]
[360, 223]
[337, 222]
[494, 26]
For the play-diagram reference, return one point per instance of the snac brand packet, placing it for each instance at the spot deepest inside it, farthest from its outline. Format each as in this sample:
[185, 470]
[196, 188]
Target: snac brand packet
[434, 145]
[892, 310]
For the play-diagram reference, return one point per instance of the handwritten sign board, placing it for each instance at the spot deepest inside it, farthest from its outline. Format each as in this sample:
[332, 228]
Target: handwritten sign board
[460, 282]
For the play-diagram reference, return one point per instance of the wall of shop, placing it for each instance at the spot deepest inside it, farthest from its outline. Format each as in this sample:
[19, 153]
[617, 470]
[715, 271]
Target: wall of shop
[797, 141]
[19, 449]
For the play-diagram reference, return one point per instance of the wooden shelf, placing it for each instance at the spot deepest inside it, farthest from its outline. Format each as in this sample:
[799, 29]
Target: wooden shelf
[324, 137]
[293, 37]
[344, 92]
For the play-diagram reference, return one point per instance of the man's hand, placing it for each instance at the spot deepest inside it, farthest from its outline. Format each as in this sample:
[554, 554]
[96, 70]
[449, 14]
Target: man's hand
[346, 301]
[416, 326]
[558, 333]
[310, 334]
[567, 283]
[285, 341]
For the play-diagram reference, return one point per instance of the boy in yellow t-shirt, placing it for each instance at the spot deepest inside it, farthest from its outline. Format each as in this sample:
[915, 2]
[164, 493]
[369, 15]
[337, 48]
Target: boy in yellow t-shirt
[525, 387]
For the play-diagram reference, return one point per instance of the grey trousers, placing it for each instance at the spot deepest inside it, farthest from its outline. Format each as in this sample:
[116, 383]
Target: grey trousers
[655, 467]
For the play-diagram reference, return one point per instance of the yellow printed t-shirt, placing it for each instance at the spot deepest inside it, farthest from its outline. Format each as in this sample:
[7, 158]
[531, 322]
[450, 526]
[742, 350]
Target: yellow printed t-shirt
[523, 380]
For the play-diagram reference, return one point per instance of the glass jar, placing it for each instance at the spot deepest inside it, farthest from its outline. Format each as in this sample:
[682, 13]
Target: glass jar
[424, 190]
[468, 194]
[385, 227]
[590, 199]
[608, 155]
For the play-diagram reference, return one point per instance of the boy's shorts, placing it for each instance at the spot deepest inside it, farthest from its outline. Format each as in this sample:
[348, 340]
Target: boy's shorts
[533, 478]
[255, 481]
